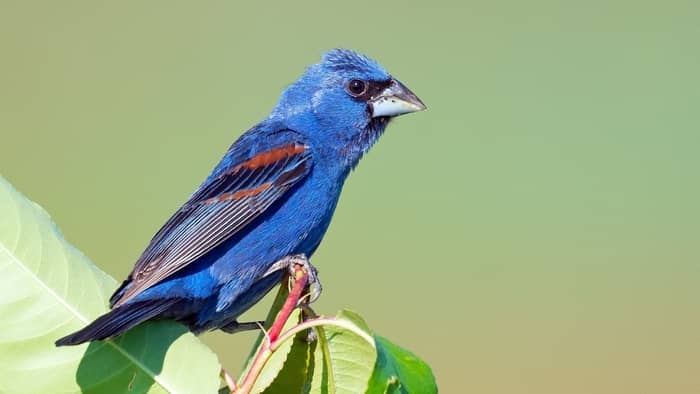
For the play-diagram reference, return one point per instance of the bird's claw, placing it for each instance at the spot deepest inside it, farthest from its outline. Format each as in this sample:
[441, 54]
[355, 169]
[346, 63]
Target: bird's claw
[314, 284]
[291, 263]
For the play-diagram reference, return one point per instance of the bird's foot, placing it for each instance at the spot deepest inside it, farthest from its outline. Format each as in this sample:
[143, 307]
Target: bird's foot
[292, 263]
[235, 326]
[314, 285]
[306, 314]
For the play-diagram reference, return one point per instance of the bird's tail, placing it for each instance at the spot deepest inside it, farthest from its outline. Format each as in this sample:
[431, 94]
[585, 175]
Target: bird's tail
[117, 321]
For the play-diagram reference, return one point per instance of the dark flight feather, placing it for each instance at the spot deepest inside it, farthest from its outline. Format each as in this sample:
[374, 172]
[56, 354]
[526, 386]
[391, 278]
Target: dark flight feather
[118, 320]
[214, 213]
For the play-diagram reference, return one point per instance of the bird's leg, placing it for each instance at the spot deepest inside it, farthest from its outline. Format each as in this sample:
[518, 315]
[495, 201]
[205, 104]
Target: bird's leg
[293, 264]
[235, 326]
[306, 314]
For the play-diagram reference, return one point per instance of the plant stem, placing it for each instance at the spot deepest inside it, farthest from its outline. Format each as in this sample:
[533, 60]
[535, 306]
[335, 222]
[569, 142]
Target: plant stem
[269, 346]
[322, 321]
[301, 277]
[272, 338]
[230, 382]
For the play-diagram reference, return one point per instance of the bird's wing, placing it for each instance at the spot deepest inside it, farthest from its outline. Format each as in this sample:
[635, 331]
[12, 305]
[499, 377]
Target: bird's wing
[216, 211]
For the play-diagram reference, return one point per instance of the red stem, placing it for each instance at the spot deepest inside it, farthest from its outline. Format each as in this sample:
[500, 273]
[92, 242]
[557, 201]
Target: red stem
[300, 279]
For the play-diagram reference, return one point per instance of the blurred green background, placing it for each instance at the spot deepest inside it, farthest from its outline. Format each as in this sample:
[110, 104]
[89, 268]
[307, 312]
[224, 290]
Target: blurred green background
[535, 231]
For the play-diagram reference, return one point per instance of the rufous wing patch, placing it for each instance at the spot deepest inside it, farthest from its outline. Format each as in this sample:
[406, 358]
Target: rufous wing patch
[252, 192]
[269, 157]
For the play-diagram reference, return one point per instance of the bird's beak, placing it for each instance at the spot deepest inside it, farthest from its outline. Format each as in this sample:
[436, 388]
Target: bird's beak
[395, 100]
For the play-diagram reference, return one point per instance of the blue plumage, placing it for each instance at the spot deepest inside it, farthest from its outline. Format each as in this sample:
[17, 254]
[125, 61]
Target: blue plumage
[272, 195]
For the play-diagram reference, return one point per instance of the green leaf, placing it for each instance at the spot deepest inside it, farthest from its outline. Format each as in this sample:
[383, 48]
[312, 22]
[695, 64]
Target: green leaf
[364, 362]
[352, 355]
[399, 371]
[349, 358]
[49, 289]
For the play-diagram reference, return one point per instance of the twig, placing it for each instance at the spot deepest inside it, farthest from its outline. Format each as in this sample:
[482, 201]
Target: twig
[301, 277]
[272, 340]
[322, 321]
[230, 382]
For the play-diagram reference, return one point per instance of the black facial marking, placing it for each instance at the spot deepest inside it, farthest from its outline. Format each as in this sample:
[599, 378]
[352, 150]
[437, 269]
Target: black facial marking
[372, 89]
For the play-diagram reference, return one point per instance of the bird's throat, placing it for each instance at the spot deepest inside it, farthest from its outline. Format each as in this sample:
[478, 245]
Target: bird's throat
[363, 141]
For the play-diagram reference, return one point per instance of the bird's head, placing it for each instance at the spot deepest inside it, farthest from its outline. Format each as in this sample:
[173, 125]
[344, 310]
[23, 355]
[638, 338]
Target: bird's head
[351, 97]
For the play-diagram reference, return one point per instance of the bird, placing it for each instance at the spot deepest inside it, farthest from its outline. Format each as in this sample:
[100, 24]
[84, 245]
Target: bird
[271, 196]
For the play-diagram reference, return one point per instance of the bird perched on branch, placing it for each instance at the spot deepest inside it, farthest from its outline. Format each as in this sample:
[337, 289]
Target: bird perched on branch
[272, 196]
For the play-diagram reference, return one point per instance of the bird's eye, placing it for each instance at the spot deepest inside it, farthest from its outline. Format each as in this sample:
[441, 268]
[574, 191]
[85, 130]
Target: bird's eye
[357, 87]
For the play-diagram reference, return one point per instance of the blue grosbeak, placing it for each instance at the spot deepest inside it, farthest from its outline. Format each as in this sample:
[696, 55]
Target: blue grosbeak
[272, 196]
